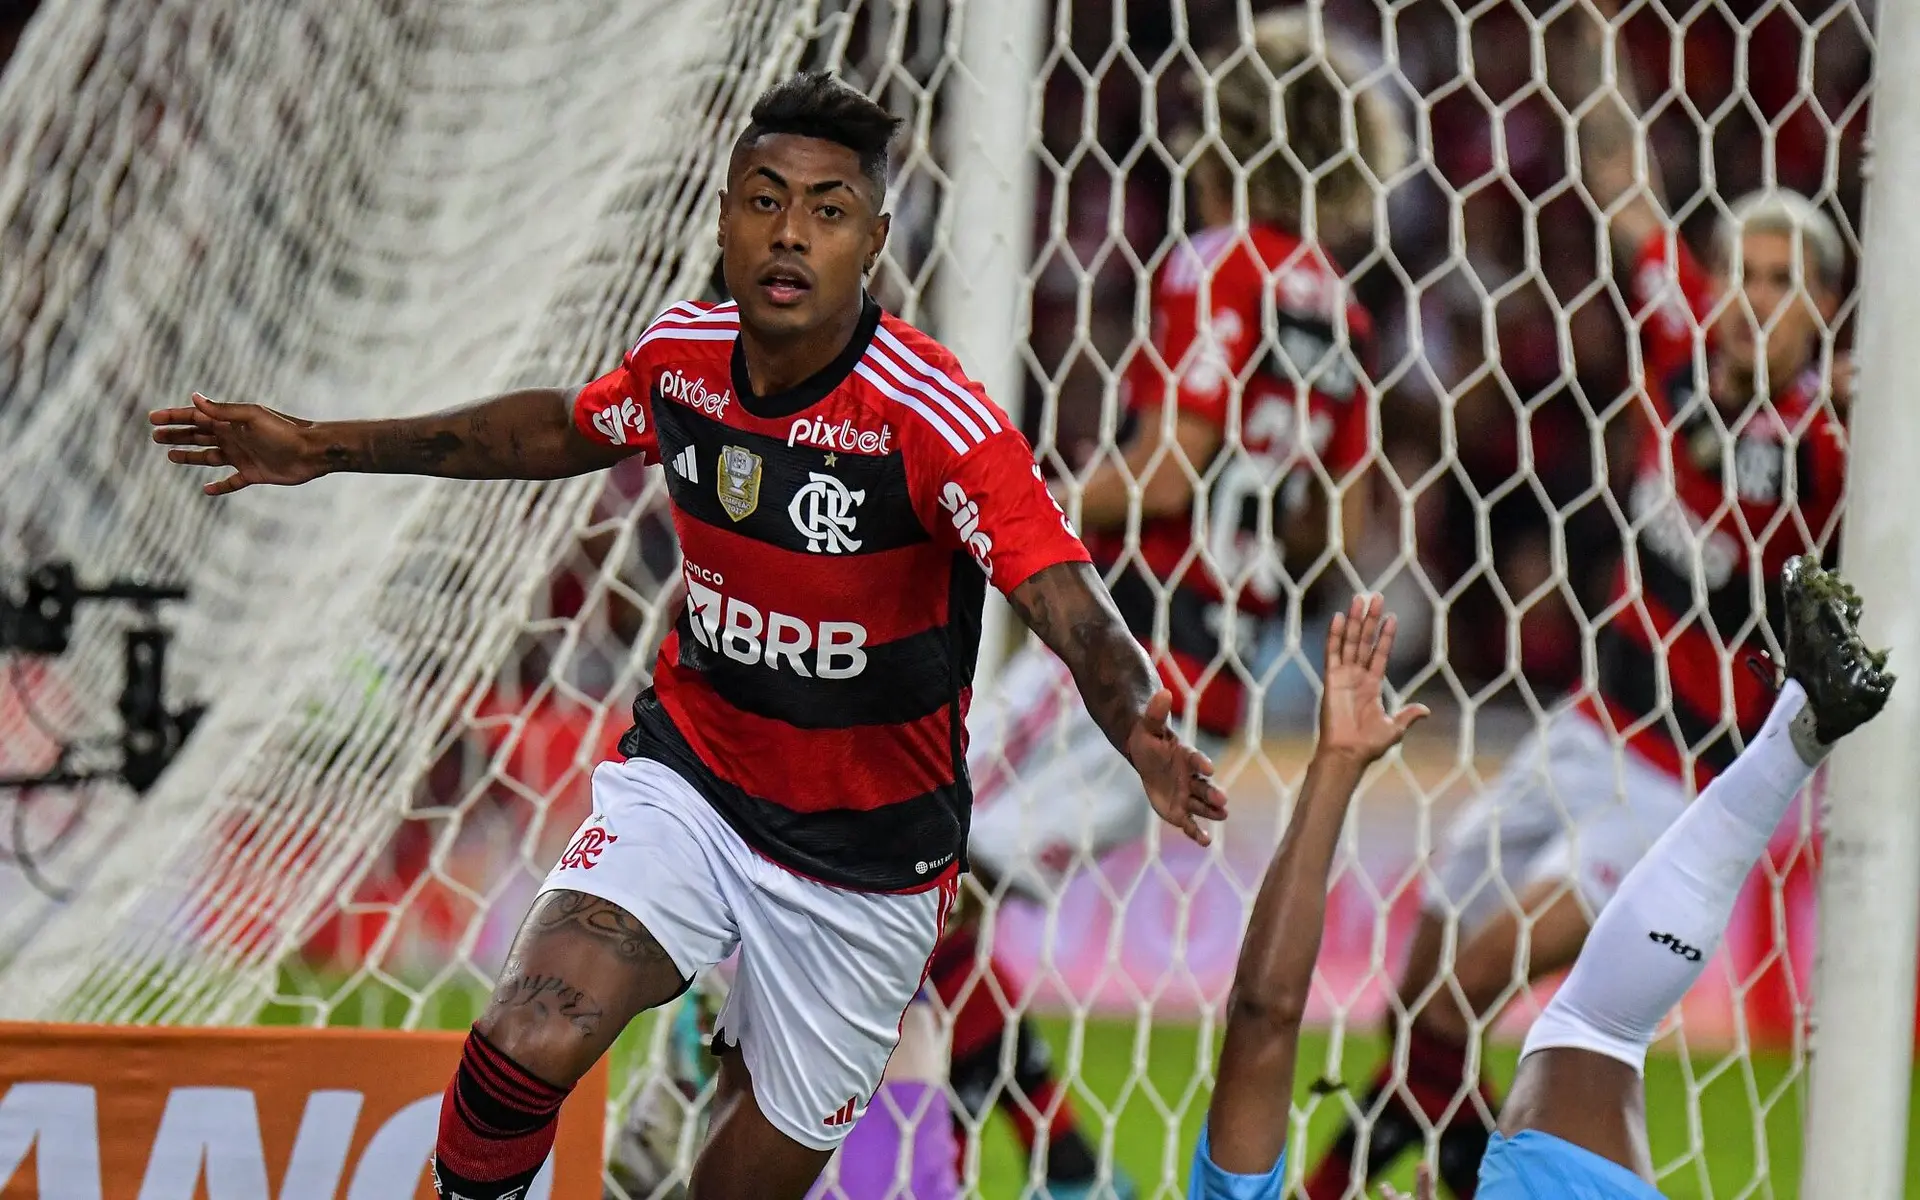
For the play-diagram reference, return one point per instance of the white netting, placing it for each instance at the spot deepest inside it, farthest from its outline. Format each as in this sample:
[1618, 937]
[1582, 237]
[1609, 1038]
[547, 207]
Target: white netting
[384, 206]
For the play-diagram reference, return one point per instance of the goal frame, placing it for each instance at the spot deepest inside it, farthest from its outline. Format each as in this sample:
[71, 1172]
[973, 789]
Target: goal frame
[1863, 982]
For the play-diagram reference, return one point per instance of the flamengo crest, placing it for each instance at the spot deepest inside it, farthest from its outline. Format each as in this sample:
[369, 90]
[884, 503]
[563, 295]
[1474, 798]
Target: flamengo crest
[822, 512]
[739, 483]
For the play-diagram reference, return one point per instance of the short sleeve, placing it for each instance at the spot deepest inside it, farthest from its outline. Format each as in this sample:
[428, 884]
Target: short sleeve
[1672, 296]
[991, 502]
[612, 410]
[1209, 1182]
[1203, 332]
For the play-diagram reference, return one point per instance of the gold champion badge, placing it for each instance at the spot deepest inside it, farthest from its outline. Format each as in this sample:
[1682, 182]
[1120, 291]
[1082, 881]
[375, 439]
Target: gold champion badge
[739, 483]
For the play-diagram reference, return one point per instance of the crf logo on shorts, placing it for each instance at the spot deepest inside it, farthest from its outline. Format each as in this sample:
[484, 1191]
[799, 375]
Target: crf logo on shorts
[586, 848]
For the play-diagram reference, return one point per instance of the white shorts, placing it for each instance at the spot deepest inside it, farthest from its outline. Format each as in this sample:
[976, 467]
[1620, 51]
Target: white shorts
[1050, 792]
[1571, 805]
[825, 974]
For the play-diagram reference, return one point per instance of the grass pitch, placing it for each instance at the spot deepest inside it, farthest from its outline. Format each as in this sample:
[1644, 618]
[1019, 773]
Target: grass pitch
[1142, 1089]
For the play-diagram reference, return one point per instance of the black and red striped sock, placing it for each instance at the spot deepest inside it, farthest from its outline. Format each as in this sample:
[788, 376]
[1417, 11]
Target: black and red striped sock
[497, 1123]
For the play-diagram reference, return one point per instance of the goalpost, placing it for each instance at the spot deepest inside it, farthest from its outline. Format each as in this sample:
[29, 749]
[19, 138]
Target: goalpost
[1863, 999]
[354, 207]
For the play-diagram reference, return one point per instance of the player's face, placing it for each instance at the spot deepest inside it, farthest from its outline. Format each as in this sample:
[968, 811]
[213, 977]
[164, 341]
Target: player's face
[1787, 316]
[798, 232]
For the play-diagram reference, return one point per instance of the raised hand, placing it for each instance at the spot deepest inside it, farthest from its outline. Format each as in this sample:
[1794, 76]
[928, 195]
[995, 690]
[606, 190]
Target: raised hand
[1353, 715]
[1178, 778]
[259, 444]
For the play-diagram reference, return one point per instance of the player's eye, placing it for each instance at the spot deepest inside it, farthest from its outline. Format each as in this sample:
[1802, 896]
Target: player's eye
[765, 203]
[831, 212]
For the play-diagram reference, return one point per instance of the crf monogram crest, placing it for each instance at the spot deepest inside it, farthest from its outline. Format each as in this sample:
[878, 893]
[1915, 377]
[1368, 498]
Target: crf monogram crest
[739, 481]
[586, 848]
[823, 513]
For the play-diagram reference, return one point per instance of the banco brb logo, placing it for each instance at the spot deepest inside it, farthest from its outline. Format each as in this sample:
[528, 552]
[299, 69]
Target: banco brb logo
[823, 513]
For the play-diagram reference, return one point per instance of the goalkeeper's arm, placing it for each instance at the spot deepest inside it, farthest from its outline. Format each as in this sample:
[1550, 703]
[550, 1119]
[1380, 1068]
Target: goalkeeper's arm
[1613, 139]
[526, 434]
[1247, 1119]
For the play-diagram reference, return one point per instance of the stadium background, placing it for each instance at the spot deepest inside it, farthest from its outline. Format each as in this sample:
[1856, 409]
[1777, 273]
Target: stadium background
[1142, 944]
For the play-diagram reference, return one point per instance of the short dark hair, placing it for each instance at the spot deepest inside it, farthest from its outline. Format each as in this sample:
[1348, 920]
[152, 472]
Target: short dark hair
[816, 105]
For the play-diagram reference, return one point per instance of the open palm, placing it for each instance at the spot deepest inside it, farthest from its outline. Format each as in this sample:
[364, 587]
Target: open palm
[259, 444]
[1353, 712]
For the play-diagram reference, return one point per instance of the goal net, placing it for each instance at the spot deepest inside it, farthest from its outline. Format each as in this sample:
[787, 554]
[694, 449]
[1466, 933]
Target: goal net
[361, 207]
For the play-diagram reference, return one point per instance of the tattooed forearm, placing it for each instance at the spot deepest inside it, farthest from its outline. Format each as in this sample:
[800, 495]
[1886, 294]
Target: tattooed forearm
[608, 922]
[520, 435]
[550, 995]
[1069, 608]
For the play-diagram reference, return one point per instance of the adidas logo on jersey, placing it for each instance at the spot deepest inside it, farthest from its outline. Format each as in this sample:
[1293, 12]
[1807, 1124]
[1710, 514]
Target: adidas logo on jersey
[686, 466]
[694, 393]
[621, 423]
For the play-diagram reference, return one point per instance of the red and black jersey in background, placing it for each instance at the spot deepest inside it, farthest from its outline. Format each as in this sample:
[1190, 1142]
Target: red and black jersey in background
[837, 541]
[1262, 308]
[1714, 520]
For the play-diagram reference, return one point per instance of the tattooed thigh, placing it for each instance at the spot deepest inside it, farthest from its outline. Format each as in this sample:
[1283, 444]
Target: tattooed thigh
[580, 969]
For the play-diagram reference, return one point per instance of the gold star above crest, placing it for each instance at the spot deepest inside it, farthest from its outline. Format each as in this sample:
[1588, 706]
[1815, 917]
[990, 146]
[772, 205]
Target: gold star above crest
[832, 458]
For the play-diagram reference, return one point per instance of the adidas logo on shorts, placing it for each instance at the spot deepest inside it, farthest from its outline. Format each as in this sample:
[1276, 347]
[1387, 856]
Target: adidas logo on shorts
[845, 1114]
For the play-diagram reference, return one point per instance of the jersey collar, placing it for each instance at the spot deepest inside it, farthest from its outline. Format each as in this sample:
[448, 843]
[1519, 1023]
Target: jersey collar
[813, 389]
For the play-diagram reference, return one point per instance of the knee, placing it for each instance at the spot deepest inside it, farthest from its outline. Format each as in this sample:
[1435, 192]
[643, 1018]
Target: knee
[543, 1044]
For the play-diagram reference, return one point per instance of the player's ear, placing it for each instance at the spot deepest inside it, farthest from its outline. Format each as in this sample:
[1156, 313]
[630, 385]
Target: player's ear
[721, 224]
[877, 241]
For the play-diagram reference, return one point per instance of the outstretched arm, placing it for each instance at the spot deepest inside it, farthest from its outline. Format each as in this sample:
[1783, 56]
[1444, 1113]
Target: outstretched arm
[1253, 1089]
[1068, 606]
[518, 435]
[1149, 464]
[1613, 140]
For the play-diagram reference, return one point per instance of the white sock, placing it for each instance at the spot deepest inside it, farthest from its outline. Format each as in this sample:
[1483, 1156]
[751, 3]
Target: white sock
[1654, 938]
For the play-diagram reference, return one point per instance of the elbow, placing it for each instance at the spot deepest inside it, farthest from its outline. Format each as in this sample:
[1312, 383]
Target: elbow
[1267, 1007]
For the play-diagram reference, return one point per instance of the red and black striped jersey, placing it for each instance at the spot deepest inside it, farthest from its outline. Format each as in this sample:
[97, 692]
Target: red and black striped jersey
[837, 539]
[1719, 502]
[1261, 309]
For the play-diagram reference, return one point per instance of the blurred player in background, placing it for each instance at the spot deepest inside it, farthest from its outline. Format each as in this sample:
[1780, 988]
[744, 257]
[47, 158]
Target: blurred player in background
[1575, 1126]
[1249, 427]
[794, 785]
[1241, 1154]
[1741, 465]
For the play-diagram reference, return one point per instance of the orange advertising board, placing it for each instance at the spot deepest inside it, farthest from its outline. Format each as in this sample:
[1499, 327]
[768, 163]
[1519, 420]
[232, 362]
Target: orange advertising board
[101, 1113]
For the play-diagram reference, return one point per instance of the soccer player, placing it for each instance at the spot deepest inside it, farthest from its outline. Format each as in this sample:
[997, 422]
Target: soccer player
[1575, 1126]
[1576, 1123]
[1241, 1154]
[1741, 465]
[1248, 406]
[794, 782]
